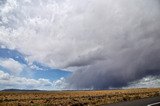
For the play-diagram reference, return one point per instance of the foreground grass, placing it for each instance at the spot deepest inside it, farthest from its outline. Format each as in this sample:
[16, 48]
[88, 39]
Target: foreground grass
[74, 98]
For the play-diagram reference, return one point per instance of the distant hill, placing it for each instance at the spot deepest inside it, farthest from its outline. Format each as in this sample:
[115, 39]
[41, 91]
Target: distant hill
[21, 90]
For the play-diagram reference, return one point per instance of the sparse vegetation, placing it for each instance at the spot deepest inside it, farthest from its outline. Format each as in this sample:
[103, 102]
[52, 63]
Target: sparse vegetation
[74, 98]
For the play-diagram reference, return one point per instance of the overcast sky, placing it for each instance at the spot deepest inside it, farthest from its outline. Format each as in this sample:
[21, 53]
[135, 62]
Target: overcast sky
[79, 44]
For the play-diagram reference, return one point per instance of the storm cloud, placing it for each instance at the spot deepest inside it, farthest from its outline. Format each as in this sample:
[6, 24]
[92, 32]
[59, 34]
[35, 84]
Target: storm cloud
[105, 43]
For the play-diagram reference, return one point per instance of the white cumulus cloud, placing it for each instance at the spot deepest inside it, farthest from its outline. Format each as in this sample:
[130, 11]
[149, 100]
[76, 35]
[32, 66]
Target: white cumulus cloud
[8, 81]
[12, 65]
[146, 82]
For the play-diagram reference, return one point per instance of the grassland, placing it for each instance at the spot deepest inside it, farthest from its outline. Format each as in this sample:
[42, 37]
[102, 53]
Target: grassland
[74, 98]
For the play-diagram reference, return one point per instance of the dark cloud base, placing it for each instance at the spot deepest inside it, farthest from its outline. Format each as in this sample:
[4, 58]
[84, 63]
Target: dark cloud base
[136, 57]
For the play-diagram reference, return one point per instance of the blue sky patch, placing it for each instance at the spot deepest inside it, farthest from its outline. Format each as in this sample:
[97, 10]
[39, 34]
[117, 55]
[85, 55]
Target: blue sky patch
[35, 71]
[14, 54]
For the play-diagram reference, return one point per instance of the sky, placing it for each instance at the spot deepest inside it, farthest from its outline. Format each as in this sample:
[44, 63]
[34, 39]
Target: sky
[79, 44]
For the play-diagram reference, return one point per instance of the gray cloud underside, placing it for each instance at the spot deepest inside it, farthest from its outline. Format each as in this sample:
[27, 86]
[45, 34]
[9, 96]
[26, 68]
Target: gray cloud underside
[107, 43]
[130, 40]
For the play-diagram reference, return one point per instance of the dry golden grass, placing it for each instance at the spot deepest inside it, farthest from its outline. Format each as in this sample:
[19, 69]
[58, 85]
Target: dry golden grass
[74, 98]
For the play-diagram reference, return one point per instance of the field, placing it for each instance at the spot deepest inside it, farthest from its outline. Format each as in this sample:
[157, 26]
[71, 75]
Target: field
[74, 98]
